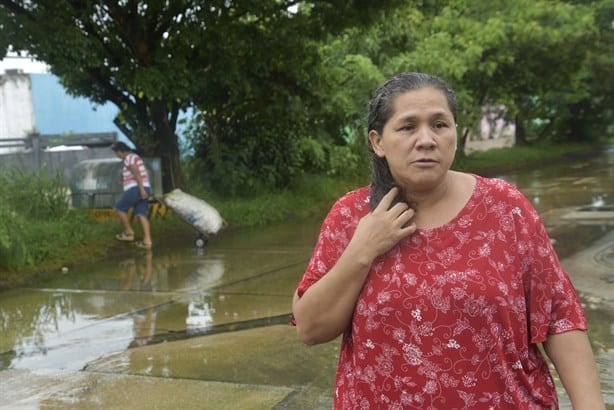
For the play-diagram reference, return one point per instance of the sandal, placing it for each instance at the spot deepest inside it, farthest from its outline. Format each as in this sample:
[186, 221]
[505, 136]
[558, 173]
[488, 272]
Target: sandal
[143, 245]
[125, 237]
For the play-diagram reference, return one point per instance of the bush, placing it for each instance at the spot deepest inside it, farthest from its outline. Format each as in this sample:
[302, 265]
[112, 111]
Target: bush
[37, 224]
[34, 195]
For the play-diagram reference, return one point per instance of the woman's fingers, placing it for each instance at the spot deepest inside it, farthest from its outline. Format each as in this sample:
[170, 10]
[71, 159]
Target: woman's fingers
[400, 210]
[387, 200]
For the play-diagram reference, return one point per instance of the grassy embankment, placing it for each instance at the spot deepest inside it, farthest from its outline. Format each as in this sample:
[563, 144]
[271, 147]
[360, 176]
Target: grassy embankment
[39, 235]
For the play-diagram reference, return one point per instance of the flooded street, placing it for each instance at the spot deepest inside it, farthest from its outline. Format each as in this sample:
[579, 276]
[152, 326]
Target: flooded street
[183, 327]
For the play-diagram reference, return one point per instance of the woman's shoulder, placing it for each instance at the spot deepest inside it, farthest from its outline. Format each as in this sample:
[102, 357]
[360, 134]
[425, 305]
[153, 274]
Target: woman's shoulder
[502, 191]
[355, 197]
[496, 186]
[352, 203]
[361, 193]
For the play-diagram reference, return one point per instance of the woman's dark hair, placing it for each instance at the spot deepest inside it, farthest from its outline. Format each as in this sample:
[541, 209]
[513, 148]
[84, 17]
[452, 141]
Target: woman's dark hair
[120, 146]
[380, 111]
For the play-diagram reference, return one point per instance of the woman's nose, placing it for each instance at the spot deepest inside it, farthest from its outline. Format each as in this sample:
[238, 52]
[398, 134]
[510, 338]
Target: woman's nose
[425, 137]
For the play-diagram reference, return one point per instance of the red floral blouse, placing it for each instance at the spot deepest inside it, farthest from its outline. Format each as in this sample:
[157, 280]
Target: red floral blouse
[451, 317]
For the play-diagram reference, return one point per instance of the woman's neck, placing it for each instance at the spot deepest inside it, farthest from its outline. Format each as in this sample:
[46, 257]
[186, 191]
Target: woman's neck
[440, 205]
[428, 198]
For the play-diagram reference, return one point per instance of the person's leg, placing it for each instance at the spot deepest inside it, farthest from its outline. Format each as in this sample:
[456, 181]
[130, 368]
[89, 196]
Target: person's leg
[125, 220]
[123, 205]
[146, 229]
[140, 210]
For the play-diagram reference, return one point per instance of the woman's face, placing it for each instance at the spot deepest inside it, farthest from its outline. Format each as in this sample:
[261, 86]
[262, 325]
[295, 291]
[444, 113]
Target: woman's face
[419, 139]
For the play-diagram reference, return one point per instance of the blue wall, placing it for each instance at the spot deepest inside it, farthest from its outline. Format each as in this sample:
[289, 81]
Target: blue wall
[56, 112]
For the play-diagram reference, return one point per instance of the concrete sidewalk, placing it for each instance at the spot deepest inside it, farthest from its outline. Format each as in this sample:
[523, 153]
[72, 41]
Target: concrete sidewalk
[200, 373]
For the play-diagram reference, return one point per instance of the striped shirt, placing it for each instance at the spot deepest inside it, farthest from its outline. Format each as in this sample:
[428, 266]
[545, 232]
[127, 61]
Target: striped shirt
[129, 178]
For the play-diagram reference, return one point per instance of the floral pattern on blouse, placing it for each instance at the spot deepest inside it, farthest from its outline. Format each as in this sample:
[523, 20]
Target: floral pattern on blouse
[451, 317]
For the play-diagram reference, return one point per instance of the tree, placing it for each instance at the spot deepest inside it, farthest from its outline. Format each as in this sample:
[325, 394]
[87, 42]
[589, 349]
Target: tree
[519, 54]
[153, 59]
[262, 109]
[592, 115]
[524, 54]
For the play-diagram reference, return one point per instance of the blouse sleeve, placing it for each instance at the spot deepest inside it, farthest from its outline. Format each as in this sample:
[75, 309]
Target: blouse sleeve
[553, 304]
[335, 234]
[332, 241]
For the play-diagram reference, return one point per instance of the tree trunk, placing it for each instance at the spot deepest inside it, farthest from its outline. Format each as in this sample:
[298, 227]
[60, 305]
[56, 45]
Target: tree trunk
[158, 139]
[521, 133]
[462, 142]
[166, 146]
[577, 130]
[168, 152]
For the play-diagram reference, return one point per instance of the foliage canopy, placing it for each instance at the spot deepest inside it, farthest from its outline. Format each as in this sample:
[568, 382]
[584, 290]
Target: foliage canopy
[154, 59]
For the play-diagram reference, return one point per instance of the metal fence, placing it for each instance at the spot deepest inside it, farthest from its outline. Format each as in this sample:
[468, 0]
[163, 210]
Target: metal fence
[55, 153]
[89, 168]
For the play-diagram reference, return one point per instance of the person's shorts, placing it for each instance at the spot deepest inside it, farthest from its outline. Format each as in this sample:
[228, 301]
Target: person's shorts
[132, 199]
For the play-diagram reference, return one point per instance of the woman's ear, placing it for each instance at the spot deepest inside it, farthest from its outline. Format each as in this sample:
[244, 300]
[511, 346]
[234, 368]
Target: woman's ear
[375, 140]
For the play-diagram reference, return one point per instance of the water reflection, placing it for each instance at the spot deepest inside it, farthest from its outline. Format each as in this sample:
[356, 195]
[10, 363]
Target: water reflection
[47, 330]
[199, 313]
[138, 276]
[578, 182]
[64, 328]
[191, 294]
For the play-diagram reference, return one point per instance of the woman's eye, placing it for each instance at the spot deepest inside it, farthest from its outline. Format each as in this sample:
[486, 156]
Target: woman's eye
[408, 127]
[440, 125]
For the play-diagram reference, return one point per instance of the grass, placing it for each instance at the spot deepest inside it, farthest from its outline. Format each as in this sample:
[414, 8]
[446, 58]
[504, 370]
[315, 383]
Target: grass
[502, 159]
[309, 195]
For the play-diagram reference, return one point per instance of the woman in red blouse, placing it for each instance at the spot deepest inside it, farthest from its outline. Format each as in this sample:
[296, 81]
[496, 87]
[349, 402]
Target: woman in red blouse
[442, 283]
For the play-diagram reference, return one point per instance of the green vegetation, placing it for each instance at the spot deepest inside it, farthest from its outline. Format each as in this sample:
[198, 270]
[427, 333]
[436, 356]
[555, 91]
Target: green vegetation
[38, 230]
[501, 159]
[155, 59]
[311, 195]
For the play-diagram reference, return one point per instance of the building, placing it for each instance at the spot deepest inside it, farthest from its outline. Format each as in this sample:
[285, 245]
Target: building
[32, 101]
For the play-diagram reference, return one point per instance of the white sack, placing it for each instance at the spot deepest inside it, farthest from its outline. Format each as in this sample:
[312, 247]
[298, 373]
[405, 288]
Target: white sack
[205, 218]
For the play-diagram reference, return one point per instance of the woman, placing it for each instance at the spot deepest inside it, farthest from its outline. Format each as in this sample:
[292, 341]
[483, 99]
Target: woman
[442, 283]
[136, 195]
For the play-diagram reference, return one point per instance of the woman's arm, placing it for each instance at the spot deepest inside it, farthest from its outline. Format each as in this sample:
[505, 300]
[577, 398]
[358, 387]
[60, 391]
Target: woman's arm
[139, 180]
[571, 354]
[325, 310]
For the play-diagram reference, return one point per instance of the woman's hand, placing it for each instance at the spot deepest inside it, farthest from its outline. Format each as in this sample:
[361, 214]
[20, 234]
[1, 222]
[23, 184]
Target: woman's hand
[325, 310]
[381, 229]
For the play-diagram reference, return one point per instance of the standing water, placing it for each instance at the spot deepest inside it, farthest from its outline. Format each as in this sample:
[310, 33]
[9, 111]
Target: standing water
[182, 327]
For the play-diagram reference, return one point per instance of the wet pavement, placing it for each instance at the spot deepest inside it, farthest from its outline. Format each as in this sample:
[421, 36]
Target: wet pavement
[180, 327]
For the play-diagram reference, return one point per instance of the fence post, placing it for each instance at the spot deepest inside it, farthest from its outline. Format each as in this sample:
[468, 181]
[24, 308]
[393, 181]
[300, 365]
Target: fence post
[36, 150]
